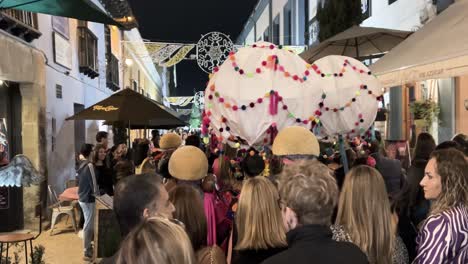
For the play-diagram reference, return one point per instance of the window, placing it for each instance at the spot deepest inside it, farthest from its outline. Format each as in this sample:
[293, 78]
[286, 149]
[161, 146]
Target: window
[442, 4]
[20, 23]
[287, 22]
[54, 131]
[87, 45]
[135, 86]
[366, 7]
[10, 121]
[266, 34]
[313, 31]
[112, 63]
[276, 30]
[58, 91]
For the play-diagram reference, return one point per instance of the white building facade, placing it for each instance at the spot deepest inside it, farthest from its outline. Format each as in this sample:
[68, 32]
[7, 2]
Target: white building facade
[69, 67]
[294, 22]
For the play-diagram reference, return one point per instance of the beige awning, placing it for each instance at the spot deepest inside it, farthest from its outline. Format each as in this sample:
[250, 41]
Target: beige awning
[357, 42]
[438, 50]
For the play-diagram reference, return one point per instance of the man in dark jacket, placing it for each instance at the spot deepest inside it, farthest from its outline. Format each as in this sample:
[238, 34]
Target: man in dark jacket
[136, 198]
[389, 168]
[87, 190]
[308, 195]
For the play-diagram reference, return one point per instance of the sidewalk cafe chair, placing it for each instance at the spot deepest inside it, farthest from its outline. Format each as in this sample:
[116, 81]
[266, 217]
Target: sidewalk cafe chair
[58, 209]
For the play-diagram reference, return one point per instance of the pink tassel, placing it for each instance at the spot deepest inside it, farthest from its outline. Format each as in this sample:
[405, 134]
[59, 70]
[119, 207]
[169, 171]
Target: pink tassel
[209, 201]
[274, 103]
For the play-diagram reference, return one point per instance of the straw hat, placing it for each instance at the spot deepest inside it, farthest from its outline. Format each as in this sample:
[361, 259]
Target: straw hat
[295, 140]
[188, 163]
[170, 140]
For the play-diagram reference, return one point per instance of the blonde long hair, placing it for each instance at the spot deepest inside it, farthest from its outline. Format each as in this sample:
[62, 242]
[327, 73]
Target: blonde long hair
[258, 220]
[364, 212]
[157, 240]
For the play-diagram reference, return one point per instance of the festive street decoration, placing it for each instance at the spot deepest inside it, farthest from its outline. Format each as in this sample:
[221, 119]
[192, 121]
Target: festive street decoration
[263, 88]
[179, 100]
[180, 55]
[212, 50]
[164, 53]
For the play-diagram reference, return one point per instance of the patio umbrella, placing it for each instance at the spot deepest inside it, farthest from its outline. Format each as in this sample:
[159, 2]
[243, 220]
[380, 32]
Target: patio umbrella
[130, 107]
[357, 42]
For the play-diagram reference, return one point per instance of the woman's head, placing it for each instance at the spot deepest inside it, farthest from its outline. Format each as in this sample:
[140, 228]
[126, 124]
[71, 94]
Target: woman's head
[123, 169]
[364, 212]
[100, 152]
[141, 152]
[156, 240]
[425, 144]
[446, 179]
[253, 164]
[189, 210]
[308, 194]
[462, 140]
[258, 220]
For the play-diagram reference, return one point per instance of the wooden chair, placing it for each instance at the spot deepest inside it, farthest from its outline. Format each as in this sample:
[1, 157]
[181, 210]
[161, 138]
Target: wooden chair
[11, 238]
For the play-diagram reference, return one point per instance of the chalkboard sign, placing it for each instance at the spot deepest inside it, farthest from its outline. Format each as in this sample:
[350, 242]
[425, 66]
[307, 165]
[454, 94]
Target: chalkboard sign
[106, 229]
[4, 198]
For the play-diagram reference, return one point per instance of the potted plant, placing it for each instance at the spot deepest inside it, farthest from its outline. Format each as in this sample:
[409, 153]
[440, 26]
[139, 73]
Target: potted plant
[425, 111]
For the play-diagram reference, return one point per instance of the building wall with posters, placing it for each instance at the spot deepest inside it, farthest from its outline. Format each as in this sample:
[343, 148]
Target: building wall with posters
[57, 78]
[70, 89]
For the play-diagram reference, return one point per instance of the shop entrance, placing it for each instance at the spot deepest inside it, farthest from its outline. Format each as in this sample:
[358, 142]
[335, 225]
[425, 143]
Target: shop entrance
[11, 198]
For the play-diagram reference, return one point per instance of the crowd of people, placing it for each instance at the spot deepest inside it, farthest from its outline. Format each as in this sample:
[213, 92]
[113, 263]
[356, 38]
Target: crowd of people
[180, 201]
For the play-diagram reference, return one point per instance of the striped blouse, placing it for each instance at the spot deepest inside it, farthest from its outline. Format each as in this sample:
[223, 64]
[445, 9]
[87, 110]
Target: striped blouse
[444, 238]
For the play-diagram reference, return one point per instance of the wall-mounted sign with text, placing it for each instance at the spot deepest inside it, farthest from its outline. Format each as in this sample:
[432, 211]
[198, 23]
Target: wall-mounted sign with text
[62, 51]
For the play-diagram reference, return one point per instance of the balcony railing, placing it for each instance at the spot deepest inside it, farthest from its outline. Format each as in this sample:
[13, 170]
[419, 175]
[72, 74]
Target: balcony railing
[112, 72]
[20, 23]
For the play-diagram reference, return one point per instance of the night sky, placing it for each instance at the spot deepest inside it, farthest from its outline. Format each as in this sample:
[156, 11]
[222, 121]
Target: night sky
[184, 21]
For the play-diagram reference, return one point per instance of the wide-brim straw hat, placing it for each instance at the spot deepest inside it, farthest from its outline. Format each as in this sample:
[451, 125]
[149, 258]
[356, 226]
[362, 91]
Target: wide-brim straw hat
[169, 141]
[188, 163]
[295, 140]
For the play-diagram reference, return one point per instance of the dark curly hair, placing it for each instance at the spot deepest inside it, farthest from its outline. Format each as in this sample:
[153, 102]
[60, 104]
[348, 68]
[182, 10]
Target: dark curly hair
[452, 167]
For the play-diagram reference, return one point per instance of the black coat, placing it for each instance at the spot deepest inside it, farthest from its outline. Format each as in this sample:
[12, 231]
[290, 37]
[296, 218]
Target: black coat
[314, 244]
[253, 256]
[391, 172]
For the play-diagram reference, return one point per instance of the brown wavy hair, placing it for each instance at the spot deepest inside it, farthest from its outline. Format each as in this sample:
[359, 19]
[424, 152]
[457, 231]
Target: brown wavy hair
[189, 210]
[452, 167]
[364, 212]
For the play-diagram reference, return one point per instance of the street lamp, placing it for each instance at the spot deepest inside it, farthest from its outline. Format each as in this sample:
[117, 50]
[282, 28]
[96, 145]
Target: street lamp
[128, 62]
[1, 82]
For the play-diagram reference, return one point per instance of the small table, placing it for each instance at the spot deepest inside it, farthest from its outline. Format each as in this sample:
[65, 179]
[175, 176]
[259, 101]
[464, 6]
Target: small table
[70, 194]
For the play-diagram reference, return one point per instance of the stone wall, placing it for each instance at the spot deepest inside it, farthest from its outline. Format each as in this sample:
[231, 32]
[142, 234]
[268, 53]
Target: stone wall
[22, 63]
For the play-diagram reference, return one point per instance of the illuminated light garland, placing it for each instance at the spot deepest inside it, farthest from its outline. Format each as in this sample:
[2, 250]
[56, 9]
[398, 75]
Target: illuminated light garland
[272, 62]
[314, 119]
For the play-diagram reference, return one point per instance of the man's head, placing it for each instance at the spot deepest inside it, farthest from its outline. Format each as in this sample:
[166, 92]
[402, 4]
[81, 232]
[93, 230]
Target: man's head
[138, 197]
[154, 133]
[86, 150]
[101, 138]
